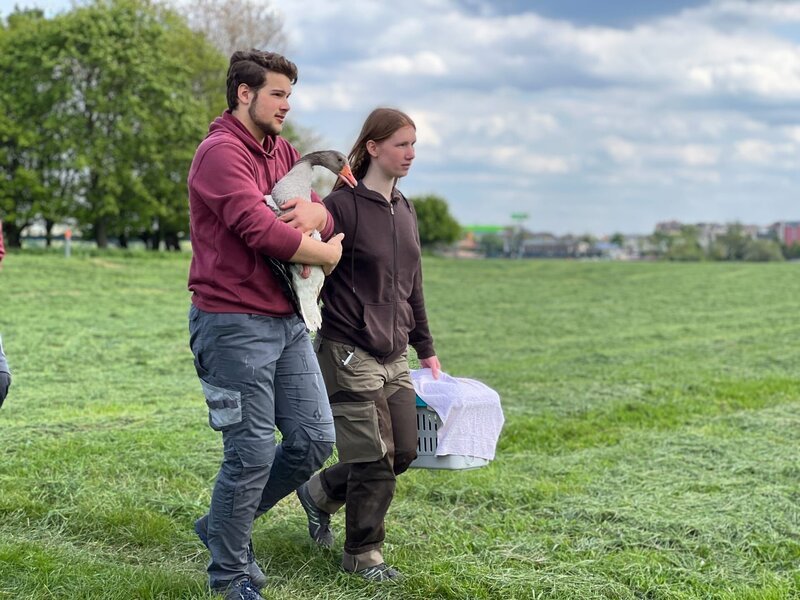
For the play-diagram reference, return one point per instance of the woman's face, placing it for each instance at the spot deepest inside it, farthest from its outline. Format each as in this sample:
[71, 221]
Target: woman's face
[395, 154]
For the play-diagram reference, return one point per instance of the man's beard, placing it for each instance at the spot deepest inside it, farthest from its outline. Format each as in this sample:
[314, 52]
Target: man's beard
[266, 128]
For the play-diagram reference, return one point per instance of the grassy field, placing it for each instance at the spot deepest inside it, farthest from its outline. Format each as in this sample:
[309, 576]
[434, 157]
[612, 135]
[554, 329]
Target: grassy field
[650, 448]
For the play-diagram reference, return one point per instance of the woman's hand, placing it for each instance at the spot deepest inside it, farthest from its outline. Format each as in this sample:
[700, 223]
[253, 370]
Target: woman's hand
[431, 363]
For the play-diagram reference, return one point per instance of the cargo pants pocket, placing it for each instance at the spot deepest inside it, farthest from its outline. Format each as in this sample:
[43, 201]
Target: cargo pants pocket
[224, 406]
[358, 437]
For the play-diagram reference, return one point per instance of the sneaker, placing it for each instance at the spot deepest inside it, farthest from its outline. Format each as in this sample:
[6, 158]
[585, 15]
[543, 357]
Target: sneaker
[242, 589]
[319, 522]
[257, 577]
[379, 573]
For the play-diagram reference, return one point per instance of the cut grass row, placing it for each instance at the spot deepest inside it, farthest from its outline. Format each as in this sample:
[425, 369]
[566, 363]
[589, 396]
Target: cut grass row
[650, 447]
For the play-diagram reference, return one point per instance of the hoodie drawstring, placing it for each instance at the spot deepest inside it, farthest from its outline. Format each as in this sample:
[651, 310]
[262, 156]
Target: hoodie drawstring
[353, 251]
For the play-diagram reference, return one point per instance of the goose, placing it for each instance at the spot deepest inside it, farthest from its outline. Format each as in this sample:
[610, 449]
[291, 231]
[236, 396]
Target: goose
[304, 291]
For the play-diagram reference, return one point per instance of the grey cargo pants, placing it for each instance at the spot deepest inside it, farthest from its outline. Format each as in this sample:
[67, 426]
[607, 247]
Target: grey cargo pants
[258, 373]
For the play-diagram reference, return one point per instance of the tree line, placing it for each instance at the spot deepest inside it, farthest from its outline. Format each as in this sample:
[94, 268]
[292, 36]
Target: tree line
[734, 244]
[103, 107]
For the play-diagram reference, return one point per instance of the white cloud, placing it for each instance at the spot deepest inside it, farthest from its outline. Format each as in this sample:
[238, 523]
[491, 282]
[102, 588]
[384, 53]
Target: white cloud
[321, 96]
[761, 152]
[695, 155]
[421, 63]
[771, 74]
[427, 129]
[620, 150]
[793, 133]
[701, 103]
[545, 164]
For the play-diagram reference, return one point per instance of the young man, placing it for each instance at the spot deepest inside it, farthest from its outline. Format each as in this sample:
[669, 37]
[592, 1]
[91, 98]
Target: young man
[251, 351]
[5, 372]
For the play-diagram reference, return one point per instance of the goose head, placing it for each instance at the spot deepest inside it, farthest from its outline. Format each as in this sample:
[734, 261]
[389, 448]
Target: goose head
[334, 161]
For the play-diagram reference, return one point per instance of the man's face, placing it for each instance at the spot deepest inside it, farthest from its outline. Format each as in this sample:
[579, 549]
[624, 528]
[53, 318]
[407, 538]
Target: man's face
[395, 154]
[270, 104]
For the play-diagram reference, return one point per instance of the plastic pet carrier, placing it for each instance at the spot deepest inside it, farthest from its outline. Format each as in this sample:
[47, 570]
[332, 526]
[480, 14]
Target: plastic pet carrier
[428, 423]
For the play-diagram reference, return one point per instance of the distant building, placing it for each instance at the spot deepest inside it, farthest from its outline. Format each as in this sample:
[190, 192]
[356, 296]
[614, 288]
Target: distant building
[787, 232]
[469, 246]
[546, 245]
[515, 241]
[669, 227]
[707, 233]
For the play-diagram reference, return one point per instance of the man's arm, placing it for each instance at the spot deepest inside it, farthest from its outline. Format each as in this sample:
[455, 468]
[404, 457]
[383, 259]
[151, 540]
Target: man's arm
[224, 183]
[324, 254]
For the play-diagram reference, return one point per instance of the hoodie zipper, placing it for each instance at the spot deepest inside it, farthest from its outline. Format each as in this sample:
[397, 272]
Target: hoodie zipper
[394, 277]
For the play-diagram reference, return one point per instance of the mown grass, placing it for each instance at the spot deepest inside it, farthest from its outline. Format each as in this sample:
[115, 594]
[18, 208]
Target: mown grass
[650, 448]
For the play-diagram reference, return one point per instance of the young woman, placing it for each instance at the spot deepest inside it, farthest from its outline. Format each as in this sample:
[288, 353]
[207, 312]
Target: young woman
[373, 308]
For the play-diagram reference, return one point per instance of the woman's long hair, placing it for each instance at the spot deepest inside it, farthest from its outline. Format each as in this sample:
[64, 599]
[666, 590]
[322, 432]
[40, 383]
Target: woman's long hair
[380, 125]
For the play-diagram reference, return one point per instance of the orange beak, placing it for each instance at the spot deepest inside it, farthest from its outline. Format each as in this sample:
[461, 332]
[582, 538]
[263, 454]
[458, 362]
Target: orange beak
[346, 175]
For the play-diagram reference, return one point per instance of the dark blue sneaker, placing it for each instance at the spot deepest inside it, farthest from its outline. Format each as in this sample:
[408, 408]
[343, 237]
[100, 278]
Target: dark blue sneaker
[257, 577]
[242, 589]
[319, 522]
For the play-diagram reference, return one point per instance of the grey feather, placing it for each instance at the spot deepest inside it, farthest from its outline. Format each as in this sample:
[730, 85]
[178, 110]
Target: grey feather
[297, 184]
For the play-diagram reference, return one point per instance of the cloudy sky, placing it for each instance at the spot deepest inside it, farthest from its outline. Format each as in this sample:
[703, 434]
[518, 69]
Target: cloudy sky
[591, 117]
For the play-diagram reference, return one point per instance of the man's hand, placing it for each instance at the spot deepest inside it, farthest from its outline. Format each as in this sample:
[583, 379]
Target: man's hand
[5, 383]
[431, 363]
[314, 252]
[336, 244]
[303, 215]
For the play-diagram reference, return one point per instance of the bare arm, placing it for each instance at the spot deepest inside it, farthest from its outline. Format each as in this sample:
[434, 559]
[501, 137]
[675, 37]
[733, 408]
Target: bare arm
[324, 254]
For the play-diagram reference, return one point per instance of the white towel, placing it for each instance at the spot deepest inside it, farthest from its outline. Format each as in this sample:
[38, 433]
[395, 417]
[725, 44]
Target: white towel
[470, 411]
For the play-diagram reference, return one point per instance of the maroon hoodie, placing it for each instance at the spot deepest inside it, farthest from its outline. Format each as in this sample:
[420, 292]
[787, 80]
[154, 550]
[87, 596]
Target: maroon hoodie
[231, 226]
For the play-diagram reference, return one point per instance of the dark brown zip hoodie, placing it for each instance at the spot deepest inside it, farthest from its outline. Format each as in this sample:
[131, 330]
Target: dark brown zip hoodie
[373, 299]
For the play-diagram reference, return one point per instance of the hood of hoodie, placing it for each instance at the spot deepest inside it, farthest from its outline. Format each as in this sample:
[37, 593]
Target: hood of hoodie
[363, 191]
[227, 123]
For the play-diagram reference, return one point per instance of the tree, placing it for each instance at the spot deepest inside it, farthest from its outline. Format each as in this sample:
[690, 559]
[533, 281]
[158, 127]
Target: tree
[235, 24]
[618, 239]
[661, 242]
[733, 243]
[492, 245]
[436, 225]
[763, 251]
[132, 125]
[791, 252]
[103, 108]
[231, 25]
[686, 245]
[33, 181]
